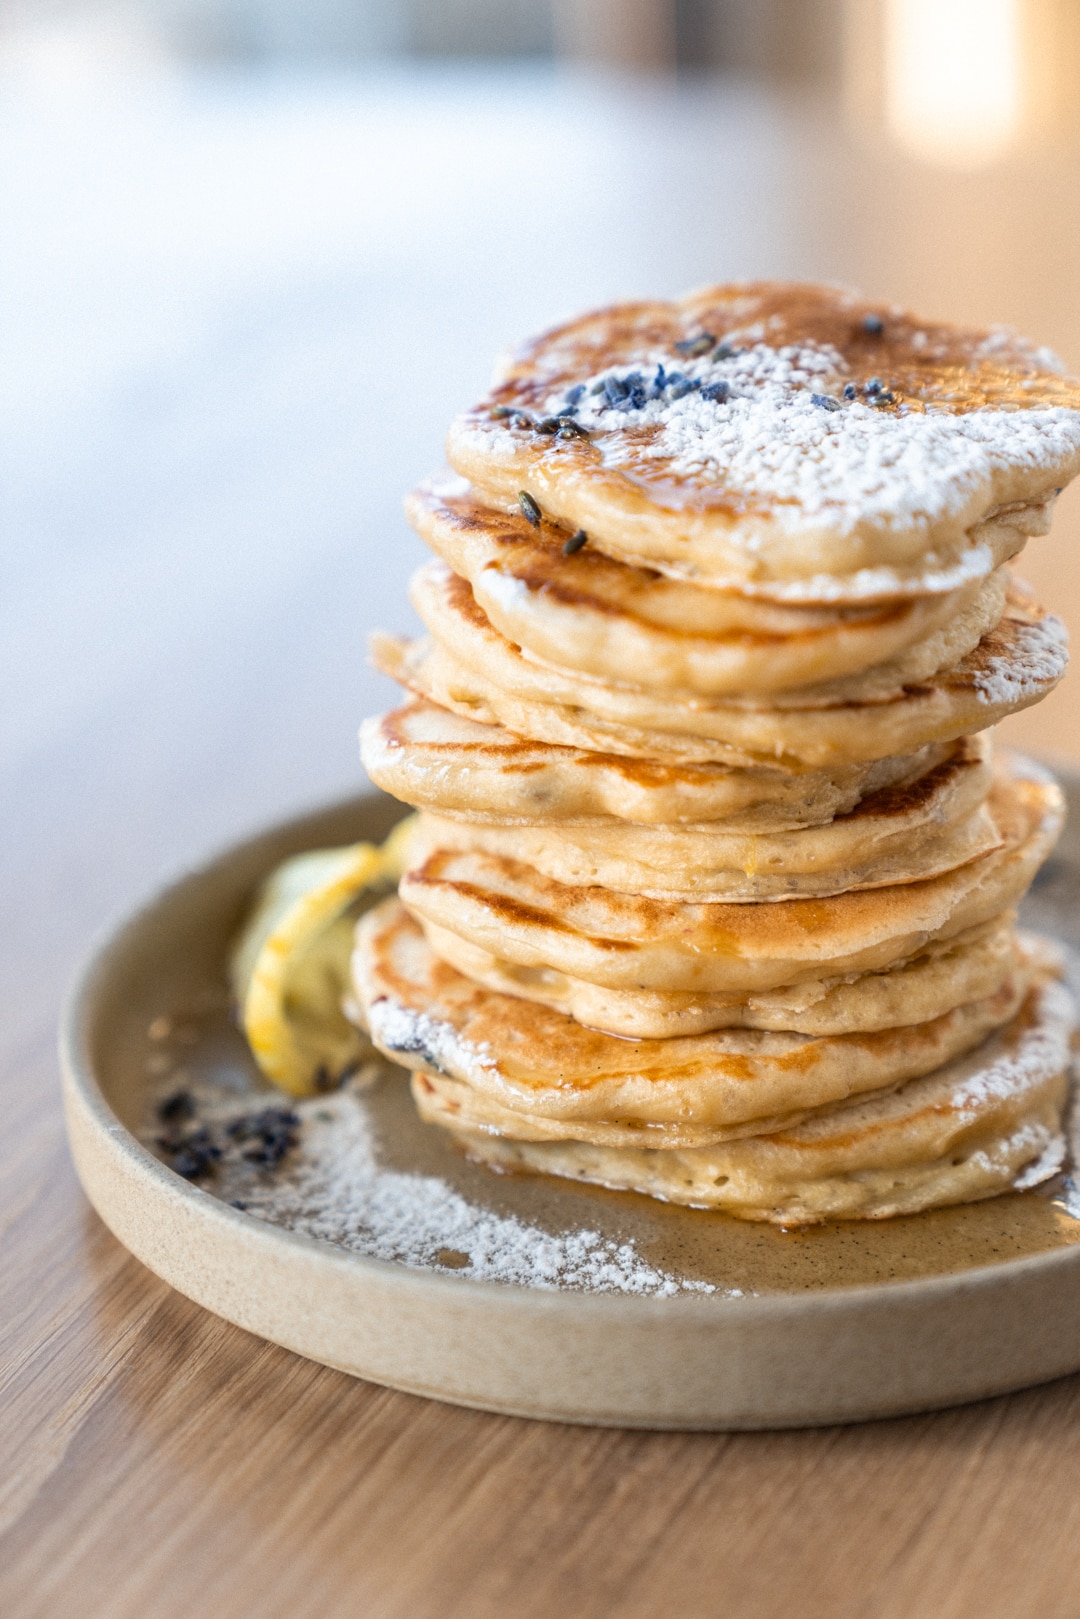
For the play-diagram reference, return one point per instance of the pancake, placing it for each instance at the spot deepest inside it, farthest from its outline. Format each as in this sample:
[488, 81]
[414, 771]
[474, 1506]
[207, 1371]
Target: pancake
[910, 831]
[945, 973]
[436, 759]
[786, 448]
[536, 1074]
[630, 942]
[589, 613]
[473, 669]
[983, 1124]
[441, 596]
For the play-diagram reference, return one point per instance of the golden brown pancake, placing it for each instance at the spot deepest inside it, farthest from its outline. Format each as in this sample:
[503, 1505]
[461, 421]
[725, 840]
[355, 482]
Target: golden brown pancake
[440, 596]
[589, 613]
[629, 942]
[941, 975]
[472, 669]
[436, 759]
[985, 1123]
[789, 440]
[910, 831]
[538, 1075]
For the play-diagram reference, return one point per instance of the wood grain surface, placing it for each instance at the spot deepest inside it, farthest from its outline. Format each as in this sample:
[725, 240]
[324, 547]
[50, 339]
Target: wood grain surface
[246, 312]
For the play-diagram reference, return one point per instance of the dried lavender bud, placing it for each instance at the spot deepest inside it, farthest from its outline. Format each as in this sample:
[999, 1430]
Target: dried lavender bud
[191, 1156]
[512, 415]
[175, 1107]
[266, 1119]
[693, 347]
[529, 508]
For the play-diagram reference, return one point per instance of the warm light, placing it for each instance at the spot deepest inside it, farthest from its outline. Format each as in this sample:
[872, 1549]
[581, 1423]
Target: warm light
[952, 78]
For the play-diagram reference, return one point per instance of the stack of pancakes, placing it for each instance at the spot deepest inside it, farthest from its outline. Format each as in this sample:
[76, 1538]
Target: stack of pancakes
[712, 894]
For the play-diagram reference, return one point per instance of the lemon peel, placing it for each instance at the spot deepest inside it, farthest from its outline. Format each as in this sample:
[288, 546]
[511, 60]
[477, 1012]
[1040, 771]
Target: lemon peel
[290, 964]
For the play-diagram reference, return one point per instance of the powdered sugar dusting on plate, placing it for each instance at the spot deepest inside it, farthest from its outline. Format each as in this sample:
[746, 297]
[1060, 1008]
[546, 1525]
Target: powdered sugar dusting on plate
[333, 1186]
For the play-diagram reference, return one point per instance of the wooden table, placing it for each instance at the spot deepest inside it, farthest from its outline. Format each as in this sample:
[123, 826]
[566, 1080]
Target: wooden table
[245, 312]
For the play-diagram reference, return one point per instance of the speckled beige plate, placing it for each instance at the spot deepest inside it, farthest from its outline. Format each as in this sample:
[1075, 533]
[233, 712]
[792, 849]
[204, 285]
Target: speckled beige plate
[632, 1313]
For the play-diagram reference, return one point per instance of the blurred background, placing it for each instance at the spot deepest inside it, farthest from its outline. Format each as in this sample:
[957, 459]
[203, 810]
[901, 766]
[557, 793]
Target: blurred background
[255, 253]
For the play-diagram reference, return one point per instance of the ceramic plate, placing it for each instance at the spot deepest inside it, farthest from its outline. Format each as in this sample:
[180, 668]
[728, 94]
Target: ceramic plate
[375, 1247]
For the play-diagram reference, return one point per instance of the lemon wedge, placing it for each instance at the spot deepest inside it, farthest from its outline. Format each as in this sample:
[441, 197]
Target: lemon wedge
[290, 964]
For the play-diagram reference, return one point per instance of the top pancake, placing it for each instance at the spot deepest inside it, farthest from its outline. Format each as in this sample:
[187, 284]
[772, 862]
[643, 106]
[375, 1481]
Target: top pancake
[790, 441]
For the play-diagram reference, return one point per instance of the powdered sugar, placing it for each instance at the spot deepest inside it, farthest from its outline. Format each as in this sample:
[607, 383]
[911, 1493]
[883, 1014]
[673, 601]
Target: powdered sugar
[1041, 1051]
[334, 1187]
[774, 423]
[400, 1029]
[1049, 1161]
[1003, 1068]
[1002, 340]
[1037, 655]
